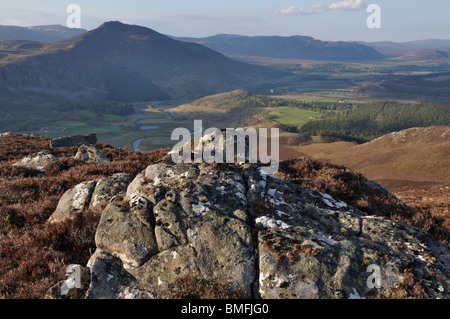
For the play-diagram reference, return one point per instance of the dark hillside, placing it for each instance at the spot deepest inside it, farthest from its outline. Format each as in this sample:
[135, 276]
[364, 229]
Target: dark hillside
[125, 63]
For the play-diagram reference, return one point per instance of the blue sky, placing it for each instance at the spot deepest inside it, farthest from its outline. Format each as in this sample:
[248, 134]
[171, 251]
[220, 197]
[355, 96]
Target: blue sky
[401, 20]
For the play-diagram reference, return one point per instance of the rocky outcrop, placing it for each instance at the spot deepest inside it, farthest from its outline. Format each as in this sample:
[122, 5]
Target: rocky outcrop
[90, 154]
[75, 140]
[37, 162]
[256, 235]
[313, 246]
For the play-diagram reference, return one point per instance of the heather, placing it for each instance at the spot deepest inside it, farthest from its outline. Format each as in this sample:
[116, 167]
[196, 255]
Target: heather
[34, 254]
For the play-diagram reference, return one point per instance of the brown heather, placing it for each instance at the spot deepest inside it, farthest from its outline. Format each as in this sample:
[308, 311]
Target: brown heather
[34, 254]
[408, 288]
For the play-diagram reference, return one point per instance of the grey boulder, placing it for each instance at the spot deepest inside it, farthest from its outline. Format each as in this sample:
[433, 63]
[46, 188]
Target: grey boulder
[74, 200]
[75, 140]
[38, 162]
[90, 154]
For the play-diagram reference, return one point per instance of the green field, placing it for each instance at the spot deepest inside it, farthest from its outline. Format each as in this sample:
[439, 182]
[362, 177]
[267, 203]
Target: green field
[293, 116]
[67, 128]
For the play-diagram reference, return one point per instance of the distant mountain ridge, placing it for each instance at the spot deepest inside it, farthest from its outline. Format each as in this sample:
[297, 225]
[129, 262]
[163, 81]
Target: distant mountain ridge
[293, 47]
[43, 33]
[402, 48]
[123, 63]
[279, 47]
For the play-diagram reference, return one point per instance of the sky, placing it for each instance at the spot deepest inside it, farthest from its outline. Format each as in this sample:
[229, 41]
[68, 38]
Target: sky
[332, 20]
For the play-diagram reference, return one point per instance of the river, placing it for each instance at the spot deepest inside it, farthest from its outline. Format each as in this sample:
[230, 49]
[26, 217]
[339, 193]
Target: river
[143, 128]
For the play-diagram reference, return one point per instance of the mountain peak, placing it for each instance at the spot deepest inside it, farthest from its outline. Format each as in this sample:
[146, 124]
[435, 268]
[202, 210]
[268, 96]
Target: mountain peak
[117, 26]
[112, 25]
[116, 29]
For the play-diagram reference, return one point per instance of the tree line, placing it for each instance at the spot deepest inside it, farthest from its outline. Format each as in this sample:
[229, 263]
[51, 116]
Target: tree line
[262, 101]
[368, 121]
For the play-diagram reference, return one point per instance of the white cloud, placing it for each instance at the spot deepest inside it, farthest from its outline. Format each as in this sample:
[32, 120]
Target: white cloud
[318, 8]
[321, 8]
[347, 5]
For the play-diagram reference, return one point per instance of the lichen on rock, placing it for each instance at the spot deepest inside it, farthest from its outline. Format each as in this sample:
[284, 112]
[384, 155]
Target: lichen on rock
[74, 200]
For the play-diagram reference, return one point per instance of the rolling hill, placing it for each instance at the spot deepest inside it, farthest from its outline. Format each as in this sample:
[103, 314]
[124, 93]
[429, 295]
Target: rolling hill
[123, 63]
[418, 155]
[427, 55]
[294, 47]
